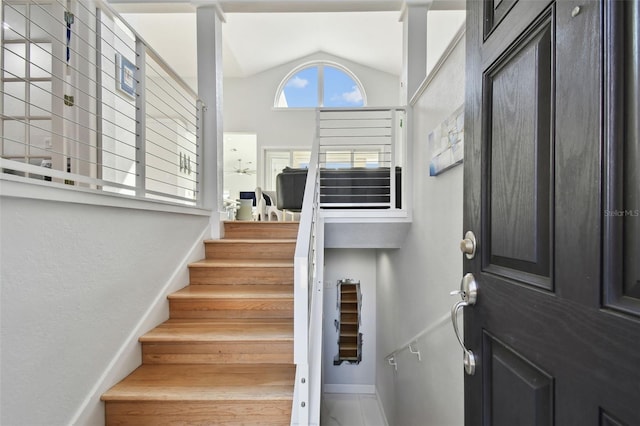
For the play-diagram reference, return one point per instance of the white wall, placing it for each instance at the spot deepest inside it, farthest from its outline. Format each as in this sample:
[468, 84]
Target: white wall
[79, 285]
[359, 265]
[248, 104]
[414, 282]
[442, 25]
[239, 146]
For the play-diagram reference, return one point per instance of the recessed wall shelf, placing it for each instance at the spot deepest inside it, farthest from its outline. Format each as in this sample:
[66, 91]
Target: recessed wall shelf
[349, 338]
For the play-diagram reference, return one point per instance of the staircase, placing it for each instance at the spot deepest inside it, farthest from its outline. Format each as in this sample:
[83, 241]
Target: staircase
[225, 356]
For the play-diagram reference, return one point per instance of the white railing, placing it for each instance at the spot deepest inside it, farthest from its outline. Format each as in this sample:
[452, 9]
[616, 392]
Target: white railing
[308, 301]
[87, 103]
[361, 157]
[346, 139]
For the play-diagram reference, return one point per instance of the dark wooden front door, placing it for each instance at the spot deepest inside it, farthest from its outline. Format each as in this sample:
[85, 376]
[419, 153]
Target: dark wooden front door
[552, 193]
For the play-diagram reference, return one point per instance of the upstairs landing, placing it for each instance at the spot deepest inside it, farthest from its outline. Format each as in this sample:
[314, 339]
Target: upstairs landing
[363, 228]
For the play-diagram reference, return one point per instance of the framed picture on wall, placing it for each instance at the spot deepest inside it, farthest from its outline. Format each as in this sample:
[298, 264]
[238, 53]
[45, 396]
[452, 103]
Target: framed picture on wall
[126, 76]
[446, 143]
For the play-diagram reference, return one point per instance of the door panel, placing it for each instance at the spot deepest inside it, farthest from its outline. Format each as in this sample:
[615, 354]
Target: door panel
[629, 20]
[495, 11]
[518, 115]
[552, 150]
[607, 420]
[622, 154]
[521, 394]
[578, 205]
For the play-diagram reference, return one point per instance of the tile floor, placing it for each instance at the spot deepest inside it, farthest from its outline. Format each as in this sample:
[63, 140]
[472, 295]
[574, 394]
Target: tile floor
[340, 409]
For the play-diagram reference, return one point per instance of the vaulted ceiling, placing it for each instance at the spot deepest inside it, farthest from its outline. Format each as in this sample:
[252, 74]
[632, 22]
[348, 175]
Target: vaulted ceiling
[258, 41]
[258, 35]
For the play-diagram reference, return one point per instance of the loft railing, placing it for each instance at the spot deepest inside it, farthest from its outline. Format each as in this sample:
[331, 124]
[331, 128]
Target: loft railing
[87, 103]
[361, 157]
[308, 301]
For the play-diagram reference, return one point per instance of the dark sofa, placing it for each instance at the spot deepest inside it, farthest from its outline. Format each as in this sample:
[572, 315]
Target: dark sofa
[290, 189]
[339, 186]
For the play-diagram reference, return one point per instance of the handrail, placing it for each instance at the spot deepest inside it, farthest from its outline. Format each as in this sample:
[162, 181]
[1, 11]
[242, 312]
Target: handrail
[409, 344]
[308, 298]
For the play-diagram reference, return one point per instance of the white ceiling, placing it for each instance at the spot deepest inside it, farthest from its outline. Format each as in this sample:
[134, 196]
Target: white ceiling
[177, 48]
[259, 34]
[259, 41]
[255, 42]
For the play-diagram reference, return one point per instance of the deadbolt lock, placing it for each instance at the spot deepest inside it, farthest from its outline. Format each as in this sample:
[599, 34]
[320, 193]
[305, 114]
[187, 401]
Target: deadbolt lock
[468, 245]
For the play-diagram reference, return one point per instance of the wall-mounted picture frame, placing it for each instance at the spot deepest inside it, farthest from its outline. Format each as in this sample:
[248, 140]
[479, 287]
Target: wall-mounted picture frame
[126, 76]
[446, 143]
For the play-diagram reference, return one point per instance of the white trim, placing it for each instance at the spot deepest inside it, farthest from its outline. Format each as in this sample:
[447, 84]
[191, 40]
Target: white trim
[216, 4]
[381, 407]
[19, 187]
[364, 215]
[130, 348]
[277, 108]
[356, 389]
[418, 2]
[436, 68]
[409, 3]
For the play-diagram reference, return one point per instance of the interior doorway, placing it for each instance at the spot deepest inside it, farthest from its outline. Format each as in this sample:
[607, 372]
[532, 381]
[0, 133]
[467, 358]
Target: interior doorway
[240, 164]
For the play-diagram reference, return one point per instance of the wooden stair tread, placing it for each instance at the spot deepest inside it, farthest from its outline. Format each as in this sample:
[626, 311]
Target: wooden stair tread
[186, 382]
[241, 291]
[217, 331]
[252, 241]
[260, 230]
[226, 354]
[261, 223]
[242, 263]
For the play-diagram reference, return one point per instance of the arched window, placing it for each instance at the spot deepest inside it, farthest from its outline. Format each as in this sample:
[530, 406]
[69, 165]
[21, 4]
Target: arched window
[320, 84]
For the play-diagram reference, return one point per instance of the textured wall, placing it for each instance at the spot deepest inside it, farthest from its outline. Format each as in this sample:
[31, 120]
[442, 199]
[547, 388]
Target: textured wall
[78, 286]
[414, 282]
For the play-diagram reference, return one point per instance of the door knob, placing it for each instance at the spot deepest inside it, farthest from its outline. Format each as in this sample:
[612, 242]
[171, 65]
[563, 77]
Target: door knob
[468, 245]
[469, 294]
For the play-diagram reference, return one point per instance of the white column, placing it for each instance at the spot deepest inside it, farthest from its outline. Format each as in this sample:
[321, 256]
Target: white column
[414, 47]
[83, 80]
[209, 32]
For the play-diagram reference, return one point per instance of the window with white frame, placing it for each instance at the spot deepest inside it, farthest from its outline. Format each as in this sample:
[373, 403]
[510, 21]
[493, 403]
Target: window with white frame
[278, 159]
[320, 84]
[350, 158]
[26, 81]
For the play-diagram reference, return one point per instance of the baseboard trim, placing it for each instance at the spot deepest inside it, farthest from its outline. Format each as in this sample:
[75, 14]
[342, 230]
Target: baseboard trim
[337, 388]
[381, 407]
